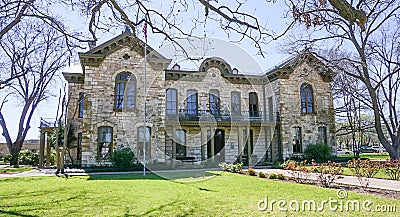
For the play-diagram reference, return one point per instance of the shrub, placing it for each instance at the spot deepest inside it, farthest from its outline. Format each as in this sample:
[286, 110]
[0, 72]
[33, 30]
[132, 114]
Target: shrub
[273, 176]
[364, 170]
[27, 157]
[123, 158]
[251, 172]
[392, 169]
[261, 175]
[280, 176]
[318, 152]
[233, 168]
[327, 172]
[298, 170]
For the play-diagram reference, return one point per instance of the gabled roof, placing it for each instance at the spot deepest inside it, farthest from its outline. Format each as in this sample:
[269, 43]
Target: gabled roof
[96, 55]
[284, 69]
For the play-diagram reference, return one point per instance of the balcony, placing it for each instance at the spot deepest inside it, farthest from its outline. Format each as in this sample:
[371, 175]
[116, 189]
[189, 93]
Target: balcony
[219, 116]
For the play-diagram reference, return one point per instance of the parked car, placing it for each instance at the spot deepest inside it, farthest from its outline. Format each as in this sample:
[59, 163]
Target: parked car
[343, 151]
[366, 149]
[379, 149]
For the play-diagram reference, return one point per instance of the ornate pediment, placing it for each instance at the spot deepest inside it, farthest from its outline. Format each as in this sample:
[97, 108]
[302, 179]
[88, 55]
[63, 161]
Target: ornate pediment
[95, 56]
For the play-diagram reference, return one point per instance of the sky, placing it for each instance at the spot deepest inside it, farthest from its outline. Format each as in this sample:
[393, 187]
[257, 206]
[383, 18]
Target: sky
[272, 16]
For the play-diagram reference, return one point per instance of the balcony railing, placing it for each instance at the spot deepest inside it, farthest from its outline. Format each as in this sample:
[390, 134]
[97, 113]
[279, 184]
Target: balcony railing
[219, 116]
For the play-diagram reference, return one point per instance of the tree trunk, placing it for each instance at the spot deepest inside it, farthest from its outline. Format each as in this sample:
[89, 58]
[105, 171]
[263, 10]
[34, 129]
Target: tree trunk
[14, 151]
[14, 159]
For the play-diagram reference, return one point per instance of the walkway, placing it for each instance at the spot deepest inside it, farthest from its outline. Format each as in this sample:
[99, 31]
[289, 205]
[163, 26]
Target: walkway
[344, 180]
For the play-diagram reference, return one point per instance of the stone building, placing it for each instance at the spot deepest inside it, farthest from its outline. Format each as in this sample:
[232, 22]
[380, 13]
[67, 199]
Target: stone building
[212, 113]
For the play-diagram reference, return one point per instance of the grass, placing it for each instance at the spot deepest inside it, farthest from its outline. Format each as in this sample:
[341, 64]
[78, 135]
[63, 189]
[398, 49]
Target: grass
[219, 194]
[15, 170]
[371, 156]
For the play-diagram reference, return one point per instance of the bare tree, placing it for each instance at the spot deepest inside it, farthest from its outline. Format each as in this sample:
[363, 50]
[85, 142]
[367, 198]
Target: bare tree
[355, 29]
[38, 52]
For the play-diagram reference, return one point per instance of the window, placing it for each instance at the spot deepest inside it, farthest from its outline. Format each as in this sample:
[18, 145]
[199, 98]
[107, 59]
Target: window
[235, 103]
[104, 142]
[306, 95]
[180, 143]
[253, 105]
[192, 102]
[144, 141]
[172, 105]
[125, 91]
[297, 140]
[80, 114]
[214, 102]
[79, 147]
[322, 139]
[248, 140]
[270, 109]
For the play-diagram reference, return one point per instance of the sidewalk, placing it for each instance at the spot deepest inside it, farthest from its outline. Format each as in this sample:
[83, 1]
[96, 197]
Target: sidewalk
[345, 180]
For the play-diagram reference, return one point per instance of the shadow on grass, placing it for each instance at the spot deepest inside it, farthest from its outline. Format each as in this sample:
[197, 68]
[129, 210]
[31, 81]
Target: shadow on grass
[11, 213]
[178, 176]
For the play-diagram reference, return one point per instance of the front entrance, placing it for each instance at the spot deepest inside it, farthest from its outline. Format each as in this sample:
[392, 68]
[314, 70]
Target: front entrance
[219, 144]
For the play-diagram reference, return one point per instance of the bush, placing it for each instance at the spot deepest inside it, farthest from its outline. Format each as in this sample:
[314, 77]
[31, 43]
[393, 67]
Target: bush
[273, 176]
[326, 172]
[123, 158]
[318, 152]
[233, 168]
[392, 169]
[261, 175]
[297, 169]
[27, 157]
[364, 170]
[251, 172]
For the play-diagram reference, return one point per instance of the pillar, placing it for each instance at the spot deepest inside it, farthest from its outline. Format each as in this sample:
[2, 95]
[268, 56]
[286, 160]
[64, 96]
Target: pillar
[48, 150]
[41, 148]
[173, 145]
[212, 134]
[240, 143]
[203, 142]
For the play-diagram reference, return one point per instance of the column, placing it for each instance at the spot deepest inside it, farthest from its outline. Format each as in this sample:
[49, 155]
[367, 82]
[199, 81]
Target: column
[173, 145]
[270, 137]
[41, 148]
[48, 150]
[212, 133]
[249, 151]
[203, 142]
[240, 143]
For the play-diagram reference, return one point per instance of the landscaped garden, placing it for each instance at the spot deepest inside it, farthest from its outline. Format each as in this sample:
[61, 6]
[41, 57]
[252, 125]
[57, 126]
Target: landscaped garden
[213, 194]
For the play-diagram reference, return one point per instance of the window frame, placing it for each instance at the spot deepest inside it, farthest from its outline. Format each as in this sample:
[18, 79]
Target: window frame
[123, 93]
[214, 101]
[173, 101]
[180, 144]
[100, 142]
[81, 105]
[253, 108]
[322, 138]
[140, 144]
[238, 104]
[190, 94]
[297, 140]
[306, 99]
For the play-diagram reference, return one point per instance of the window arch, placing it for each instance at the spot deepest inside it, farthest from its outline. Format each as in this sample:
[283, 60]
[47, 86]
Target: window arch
[125, 91]
[307, 99]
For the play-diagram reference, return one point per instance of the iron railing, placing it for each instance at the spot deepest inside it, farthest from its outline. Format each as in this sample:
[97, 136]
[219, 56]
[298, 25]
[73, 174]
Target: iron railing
[218, 115]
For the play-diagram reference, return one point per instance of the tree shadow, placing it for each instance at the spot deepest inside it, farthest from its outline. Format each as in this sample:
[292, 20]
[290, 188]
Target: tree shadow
[11, 213]
[177, 176]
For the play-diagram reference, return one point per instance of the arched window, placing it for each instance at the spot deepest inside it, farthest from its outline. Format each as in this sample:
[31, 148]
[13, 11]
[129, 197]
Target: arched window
[172, 105]
[192, 102]
[214, 102]
[125, 91]
[306, 96]
[235, 103]
[104, 142]
[81, 97]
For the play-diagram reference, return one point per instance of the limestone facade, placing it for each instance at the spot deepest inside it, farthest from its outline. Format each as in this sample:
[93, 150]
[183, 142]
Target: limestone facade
[263, 123]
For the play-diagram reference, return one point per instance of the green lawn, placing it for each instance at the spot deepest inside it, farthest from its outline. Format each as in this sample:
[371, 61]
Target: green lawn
[371, 156]
[225, 194]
